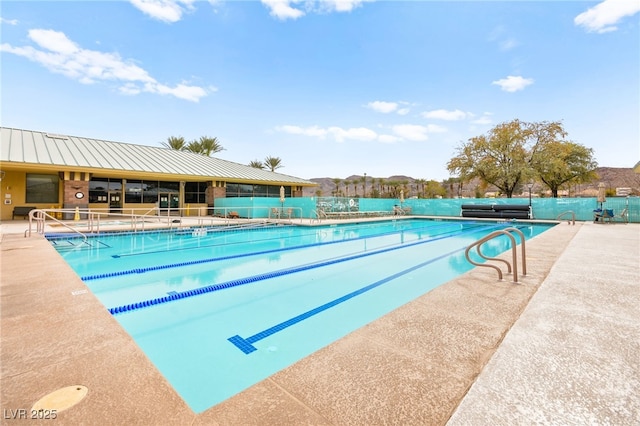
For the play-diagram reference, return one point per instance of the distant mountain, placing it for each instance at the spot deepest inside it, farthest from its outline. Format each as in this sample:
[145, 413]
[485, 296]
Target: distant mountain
[612, 177]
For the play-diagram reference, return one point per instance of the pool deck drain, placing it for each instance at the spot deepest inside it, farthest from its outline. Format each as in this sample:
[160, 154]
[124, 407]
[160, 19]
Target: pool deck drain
[560, 347]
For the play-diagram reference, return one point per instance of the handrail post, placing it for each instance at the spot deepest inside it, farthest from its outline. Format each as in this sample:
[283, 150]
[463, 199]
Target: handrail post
[523, 245]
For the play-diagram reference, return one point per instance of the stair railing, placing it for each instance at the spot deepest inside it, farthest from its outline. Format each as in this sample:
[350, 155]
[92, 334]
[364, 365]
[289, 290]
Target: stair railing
[514, 263]
[573, 216]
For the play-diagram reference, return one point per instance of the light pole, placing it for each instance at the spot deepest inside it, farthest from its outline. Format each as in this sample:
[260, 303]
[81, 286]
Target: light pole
[364, 186]
[530, 185]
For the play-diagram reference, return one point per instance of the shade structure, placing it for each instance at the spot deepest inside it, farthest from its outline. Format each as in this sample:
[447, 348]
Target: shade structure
[282, 194]
[401, 196]
[601, 194]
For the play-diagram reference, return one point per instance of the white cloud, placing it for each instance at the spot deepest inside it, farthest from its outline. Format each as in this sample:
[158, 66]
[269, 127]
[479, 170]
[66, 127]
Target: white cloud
[164, 10]
[513, 83]
[412, 132]
[508, 44]
[340, 5]
[443, 114]
[435, 128]
[9, 21]
[294, 9]
[314, 131]
[383, 107]
[388, 138]
[389, 107]
[338, 133]
[63, 56]
[181, 91]
[357, 133]
[401, 132]
[485, 119]
[500, 35]
[603, 17]
[282, 9]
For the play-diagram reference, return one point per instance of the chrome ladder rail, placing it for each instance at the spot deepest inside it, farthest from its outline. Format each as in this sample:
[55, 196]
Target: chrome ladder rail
[514, 256]
[573, 217]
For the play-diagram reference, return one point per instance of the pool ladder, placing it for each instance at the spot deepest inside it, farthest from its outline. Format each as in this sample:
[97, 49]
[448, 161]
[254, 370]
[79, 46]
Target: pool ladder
[507, 232]
[571, 221]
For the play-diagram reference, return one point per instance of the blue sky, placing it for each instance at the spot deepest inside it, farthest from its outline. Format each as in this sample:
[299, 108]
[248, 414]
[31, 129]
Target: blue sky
[333, 88]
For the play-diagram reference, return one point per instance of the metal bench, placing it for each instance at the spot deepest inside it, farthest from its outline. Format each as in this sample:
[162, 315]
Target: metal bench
[21, 211]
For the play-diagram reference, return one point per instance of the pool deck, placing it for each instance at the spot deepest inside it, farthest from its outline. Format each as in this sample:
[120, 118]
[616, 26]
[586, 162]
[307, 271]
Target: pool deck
[560, 347]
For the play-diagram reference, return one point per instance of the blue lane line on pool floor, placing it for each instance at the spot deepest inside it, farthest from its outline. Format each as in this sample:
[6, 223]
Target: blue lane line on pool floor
[269, 275]
[237, 256]
[246, 345]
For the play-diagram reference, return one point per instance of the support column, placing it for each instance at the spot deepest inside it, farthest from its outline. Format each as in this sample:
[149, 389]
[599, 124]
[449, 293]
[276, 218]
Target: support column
[76, 192]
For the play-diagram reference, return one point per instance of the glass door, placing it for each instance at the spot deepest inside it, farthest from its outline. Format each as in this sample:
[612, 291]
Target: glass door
[115, 202]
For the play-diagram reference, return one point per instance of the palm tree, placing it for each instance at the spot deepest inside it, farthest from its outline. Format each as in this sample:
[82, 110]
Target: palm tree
[209, 145]
[404, 183]
[375, 191]
[256, 164]
[194, 146]
[175, 142]
[421, 183]
[336, 182]
[273, 163]
[382, 187]
[346, 185]
[204, 146]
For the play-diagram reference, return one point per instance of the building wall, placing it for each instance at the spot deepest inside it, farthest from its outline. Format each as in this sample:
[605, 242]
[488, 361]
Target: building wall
[13, 193]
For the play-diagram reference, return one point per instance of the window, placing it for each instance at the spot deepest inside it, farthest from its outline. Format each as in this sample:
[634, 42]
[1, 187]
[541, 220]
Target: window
[133, 191]
[195, 192]
[99, 188]
[245, 190]
[42, 188]
[149, 191]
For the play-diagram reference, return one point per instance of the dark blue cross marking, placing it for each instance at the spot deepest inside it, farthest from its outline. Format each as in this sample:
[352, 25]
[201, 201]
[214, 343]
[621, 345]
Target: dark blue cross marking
[246, 345]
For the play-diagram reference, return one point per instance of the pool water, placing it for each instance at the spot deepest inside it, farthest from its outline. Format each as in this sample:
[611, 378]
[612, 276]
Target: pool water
[219, 310]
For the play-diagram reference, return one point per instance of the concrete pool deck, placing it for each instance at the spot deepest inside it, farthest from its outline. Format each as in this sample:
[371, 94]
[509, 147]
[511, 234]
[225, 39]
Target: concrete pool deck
[560, 347]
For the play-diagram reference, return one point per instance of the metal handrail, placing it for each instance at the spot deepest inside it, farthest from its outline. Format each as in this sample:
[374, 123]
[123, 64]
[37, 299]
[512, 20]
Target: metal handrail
[319, 213]
[39, 216]
[494, 234]
[573, 216]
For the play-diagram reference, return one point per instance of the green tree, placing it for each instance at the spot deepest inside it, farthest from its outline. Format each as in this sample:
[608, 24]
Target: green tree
[175, 142]
[506, 155]
[563, 163]
[256, 164]
[453, 185]
[273, 163]
[433, 189]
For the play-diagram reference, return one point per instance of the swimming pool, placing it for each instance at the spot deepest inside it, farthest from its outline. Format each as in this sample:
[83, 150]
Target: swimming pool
[218, 310]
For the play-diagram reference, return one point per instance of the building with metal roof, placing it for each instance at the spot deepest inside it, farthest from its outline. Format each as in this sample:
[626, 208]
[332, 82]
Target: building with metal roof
[47, 170]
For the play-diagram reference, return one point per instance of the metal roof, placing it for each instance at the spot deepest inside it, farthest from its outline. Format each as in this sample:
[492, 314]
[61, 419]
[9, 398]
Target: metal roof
[71, 152]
